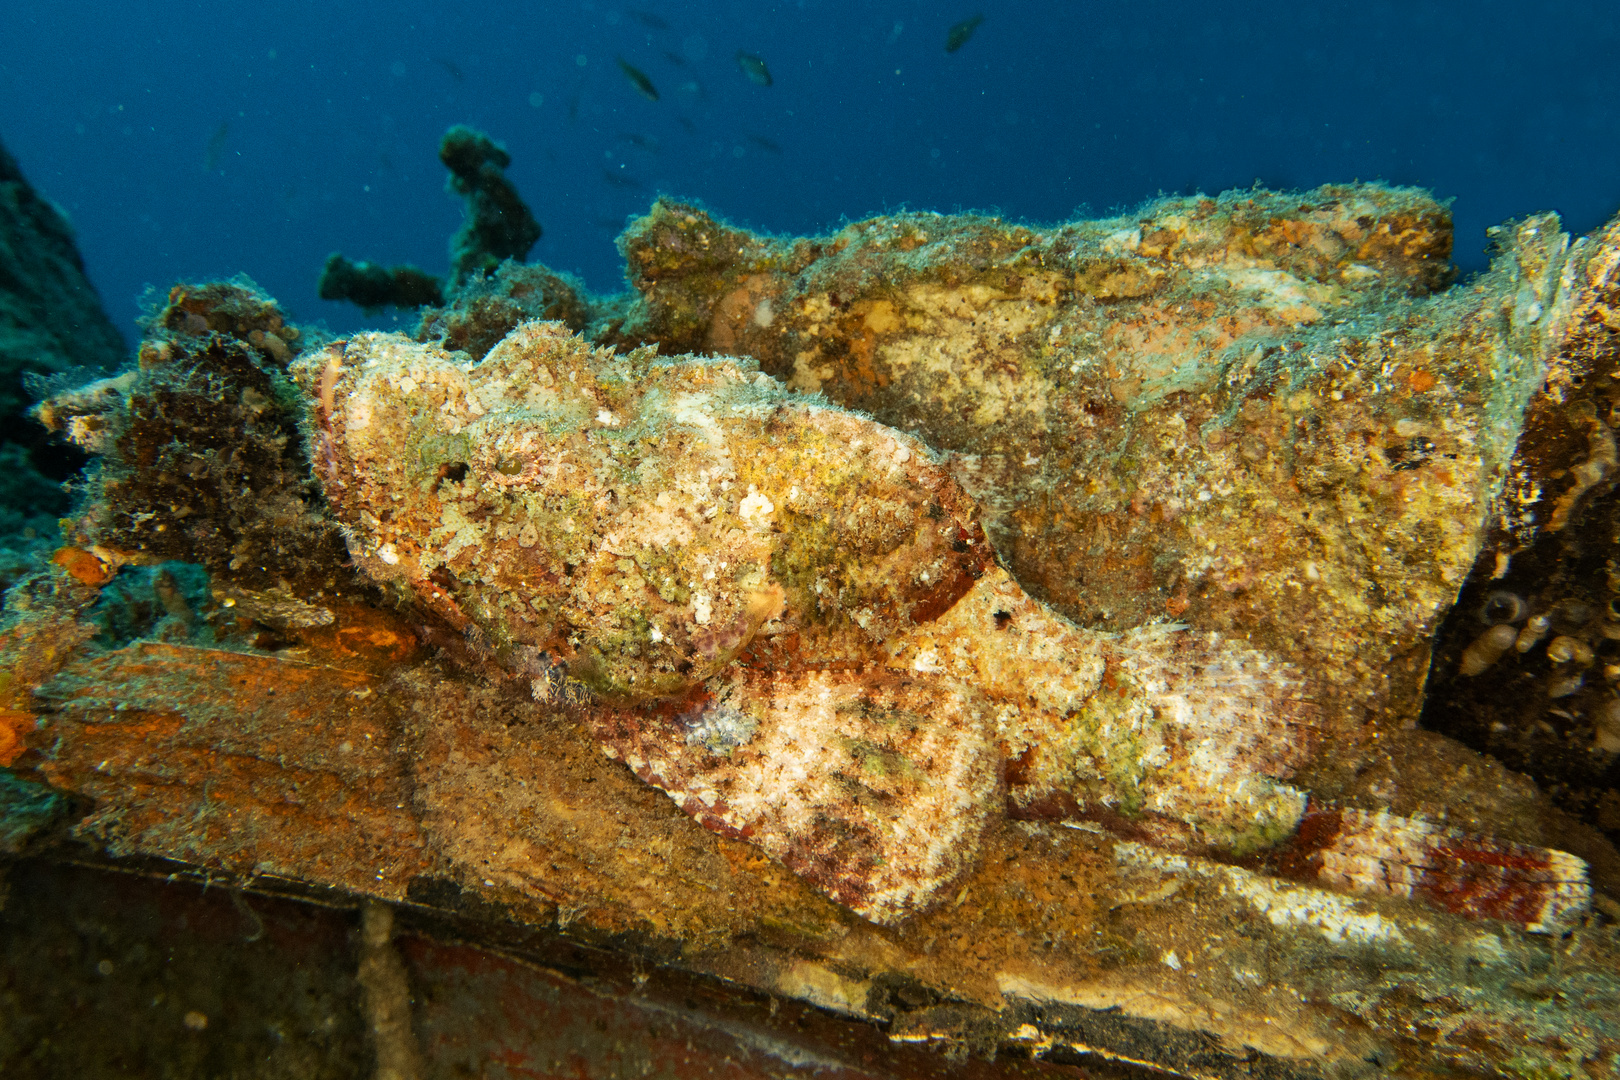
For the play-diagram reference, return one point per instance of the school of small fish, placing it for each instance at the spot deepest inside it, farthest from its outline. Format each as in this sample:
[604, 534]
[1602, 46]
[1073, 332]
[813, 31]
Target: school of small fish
[752, 66]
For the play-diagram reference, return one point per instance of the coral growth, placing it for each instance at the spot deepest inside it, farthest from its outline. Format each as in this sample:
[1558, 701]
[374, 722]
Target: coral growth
[200, 456]
[499, 225]
[373, 287]
[498, 228]
[486, 309]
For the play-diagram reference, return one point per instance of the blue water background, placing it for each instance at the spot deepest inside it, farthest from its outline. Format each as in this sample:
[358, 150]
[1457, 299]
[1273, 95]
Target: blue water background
[191, 141]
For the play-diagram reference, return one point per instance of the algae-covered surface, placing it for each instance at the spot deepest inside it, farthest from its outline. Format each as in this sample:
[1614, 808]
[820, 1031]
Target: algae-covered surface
[1009, 638]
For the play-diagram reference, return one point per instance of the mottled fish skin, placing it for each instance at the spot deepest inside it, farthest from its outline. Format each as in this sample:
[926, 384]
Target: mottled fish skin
[1478, 877]
[638, 518]
[786, 615]
[874, 787]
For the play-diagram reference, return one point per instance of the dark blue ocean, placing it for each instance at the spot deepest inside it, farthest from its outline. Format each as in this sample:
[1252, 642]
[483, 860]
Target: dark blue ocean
[196, 140]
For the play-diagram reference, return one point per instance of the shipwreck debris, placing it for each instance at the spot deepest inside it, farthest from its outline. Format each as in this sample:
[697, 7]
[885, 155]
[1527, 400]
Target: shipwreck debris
[446, 751]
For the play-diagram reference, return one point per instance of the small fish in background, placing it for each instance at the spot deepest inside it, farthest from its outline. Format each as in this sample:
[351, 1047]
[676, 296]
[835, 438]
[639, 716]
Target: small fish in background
[899, 28]
[674, 57]
[695, 88]
[754, 67]
[450, 68]
[650, 19]
[686, 123]
[621, 180]
[763, 143]
[640, 142]
[959, 35]
[215, 147]
[638, 79]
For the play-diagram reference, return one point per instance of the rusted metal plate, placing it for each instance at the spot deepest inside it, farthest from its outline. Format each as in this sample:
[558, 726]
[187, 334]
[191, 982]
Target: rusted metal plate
[255, 763]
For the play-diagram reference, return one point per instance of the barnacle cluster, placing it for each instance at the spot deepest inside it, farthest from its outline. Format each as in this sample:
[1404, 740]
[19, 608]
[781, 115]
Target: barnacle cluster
[1536, 681]
[1579, 643]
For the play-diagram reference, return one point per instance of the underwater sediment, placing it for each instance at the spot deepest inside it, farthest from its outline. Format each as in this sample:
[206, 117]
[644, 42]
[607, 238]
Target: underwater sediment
[1013, 636]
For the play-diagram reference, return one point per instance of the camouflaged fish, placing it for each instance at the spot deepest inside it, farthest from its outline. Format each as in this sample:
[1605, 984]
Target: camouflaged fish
[783, 614]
